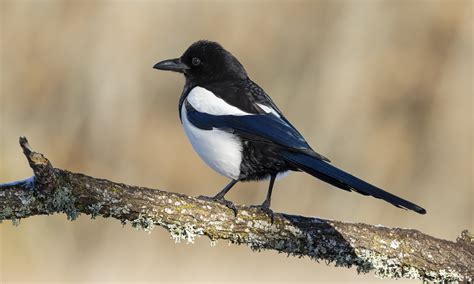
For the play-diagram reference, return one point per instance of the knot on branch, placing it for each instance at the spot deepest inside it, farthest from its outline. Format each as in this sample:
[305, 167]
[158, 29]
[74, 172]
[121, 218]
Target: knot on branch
[42, 168]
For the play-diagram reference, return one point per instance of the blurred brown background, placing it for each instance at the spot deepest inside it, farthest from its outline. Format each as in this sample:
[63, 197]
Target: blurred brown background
[382, 88]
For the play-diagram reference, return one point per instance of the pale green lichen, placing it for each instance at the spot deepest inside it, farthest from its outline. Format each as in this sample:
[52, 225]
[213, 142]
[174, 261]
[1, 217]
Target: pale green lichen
[63, 200]
[15, 221]
[386, 267]
[119, 211]
[411, 273]
[382, 265]
[94, 209]
[297, 243]
[6, 213]
[25, 197]
[446, 275]
[178, 232]
[143, 223]
[187, 232]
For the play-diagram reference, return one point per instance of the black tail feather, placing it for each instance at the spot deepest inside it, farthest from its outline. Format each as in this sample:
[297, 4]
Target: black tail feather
[332, 175]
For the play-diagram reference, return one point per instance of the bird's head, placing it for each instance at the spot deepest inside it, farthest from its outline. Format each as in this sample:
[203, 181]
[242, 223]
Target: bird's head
[205, 61]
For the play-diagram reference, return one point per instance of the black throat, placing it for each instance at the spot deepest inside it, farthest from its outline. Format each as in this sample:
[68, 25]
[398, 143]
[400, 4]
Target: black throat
[188, 86]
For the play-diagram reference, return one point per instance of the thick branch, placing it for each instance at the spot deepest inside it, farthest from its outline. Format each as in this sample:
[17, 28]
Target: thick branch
[389, 252]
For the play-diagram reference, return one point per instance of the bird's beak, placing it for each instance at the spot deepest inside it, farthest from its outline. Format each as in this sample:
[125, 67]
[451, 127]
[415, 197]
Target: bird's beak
[171, 65]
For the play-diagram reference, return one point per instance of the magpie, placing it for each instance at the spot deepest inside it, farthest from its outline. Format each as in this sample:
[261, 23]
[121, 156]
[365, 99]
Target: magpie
[238, 131]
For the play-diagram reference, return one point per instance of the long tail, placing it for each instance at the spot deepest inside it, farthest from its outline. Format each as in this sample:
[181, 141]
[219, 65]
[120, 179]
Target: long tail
[330, 174]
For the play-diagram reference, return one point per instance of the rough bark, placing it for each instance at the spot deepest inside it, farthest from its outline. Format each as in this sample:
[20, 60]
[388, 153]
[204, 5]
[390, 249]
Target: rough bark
[389, 252]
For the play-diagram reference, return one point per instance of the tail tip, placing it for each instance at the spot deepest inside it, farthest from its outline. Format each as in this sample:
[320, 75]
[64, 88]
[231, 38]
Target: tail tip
[420, 210]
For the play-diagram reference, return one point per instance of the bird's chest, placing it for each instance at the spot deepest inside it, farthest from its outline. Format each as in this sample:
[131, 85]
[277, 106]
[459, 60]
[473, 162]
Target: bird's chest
[222, 151]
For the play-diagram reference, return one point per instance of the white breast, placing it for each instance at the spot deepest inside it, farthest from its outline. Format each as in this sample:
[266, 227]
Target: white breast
[220, 150]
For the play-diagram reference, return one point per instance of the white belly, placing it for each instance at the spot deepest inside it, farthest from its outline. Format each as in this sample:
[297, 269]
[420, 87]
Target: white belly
[220, 150]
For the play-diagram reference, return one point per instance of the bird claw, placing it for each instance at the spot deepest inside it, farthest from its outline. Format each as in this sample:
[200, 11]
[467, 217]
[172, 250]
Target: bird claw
[264, 209]
[222, 200]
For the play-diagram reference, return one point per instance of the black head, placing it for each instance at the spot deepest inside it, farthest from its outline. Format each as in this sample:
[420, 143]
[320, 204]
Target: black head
[205, 61]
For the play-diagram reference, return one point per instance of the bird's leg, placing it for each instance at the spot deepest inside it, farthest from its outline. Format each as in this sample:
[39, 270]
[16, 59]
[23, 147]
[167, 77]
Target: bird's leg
[219, 197]
[266, 203]
[226, 189]
[265, 207]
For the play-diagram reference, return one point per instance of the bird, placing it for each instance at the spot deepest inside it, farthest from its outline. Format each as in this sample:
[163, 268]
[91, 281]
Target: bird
[237, 129]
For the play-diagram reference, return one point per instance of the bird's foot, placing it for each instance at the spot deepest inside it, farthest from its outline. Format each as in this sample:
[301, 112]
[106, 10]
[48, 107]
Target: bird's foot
[265, 209]
[221, 200]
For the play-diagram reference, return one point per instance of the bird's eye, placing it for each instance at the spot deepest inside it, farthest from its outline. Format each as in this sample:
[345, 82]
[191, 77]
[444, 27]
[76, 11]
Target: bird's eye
[196, 61]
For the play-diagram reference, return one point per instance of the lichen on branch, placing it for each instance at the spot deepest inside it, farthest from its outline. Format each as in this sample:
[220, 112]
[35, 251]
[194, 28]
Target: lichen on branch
[388, 252]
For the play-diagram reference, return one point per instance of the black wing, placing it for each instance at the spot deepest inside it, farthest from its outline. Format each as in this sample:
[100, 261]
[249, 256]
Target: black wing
[244, 94]
[265, 128]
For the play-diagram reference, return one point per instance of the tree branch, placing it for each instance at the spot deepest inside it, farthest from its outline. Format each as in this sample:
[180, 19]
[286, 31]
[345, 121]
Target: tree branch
[393, 253]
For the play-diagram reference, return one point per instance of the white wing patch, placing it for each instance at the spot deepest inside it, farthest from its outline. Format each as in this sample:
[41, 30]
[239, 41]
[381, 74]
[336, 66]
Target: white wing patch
[222, 151]
[205, 101]
[268, 109]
